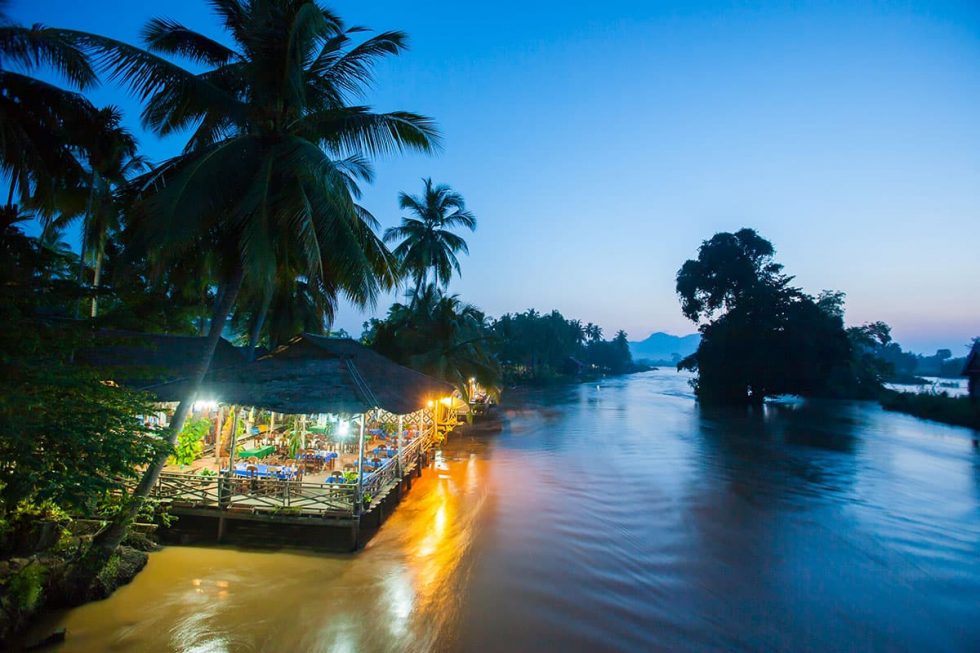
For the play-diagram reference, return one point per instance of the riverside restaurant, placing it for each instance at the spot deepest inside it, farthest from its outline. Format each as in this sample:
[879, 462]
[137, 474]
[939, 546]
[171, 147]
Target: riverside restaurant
[319, 433]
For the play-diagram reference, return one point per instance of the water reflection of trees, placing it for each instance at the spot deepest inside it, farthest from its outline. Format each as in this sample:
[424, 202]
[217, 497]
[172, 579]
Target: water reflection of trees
[783, 450]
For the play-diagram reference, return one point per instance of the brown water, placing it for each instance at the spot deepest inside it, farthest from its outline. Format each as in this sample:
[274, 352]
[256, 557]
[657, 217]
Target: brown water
[620, 518]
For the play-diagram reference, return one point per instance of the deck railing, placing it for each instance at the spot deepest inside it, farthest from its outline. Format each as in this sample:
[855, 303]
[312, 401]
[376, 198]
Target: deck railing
[274, 495]
[257, 494]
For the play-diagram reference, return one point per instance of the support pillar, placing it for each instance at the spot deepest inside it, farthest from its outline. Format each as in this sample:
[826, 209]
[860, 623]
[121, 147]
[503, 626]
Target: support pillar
[358, 497]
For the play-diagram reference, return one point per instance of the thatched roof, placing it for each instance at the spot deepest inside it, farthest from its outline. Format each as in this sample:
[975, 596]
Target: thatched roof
[146, 361]
[315, 374]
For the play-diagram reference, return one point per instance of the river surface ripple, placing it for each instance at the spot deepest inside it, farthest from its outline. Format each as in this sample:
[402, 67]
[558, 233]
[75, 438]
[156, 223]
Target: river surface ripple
[618, 517]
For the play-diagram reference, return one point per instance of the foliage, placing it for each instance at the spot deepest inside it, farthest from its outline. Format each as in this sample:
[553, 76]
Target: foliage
[267, 182]
[41, 123]
[937, 406]
[534, 346]
[294, 442]
[428, 244]
[152, 511]
[439, 335]
[21, 529]
[26, 586]
[906, 366]
[190, 442]
[760, 336]
[68, 436]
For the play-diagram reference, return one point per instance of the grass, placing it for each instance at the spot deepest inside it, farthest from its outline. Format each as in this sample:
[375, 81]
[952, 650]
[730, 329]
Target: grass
[937, 406]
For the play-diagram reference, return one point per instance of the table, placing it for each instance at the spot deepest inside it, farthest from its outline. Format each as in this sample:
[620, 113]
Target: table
[265, 471]
[260, 452]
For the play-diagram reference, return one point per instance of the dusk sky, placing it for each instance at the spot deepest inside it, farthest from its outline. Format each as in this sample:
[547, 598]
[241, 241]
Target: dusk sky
[599, 143]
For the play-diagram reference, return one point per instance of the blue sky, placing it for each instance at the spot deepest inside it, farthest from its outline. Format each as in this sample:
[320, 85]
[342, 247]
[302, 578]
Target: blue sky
[600, 143]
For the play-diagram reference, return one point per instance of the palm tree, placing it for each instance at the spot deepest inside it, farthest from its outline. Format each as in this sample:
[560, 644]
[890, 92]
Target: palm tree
[110, 151]
[113, 160]
[294, 305]
[427, 241]
[268, 178]
[440, 335]
[39, 122]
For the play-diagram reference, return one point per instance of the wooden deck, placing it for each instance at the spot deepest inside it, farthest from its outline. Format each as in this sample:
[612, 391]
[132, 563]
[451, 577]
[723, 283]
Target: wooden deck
[224, 497]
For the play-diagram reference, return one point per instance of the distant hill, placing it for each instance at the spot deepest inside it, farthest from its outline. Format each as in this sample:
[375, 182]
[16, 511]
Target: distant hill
[662, 347]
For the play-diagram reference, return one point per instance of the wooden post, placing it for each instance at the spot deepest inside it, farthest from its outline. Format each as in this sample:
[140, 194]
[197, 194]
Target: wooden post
[228, 482]
[435, 420]
[358, 500]
[302, 431]
[217, 433]
[398, 446]
[234, 440]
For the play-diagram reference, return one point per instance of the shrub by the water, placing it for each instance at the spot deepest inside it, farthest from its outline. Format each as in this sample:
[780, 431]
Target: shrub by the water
[937, 406]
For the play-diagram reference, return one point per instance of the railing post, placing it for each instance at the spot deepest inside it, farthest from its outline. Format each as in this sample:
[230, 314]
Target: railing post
[234, 443]
[360, 469]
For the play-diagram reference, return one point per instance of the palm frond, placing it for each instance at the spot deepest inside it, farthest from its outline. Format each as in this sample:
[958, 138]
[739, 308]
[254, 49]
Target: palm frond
[36, 46]
[357, 129]
[170, 37]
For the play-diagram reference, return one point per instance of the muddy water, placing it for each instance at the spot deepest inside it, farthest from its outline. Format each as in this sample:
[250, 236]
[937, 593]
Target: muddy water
[613, 518]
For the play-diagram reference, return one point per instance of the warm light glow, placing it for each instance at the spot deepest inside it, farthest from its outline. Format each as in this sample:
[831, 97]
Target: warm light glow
[447, 401]
[431, 403]
[343, 428]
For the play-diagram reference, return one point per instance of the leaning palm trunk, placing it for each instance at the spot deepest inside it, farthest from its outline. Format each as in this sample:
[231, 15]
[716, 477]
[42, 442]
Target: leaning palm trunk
[256, 332]
[86, 221]
[111, 536]
[96, 280]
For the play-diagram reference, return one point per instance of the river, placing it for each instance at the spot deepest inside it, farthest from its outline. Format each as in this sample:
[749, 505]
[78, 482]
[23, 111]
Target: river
[613, 517]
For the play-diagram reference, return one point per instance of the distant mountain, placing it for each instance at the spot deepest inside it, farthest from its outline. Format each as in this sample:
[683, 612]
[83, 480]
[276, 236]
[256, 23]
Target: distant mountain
[662, 346]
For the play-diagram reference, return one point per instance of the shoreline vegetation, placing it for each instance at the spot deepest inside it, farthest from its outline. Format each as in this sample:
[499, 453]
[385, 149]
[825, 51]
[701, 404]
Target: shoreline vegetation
[936, 406]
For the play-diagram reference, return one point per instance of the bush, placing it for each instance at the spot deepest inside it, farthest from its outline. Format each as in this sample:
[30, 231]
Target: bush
[937, 406]
[32, 527]
[26, 586]
[190, 443]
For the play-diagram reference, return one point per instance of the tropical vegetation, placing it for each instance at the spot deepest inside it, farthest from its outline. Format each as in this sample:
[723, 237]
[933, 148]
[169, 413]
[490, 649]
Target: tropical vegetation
[762, 337]
[537, 347]
[427, 246]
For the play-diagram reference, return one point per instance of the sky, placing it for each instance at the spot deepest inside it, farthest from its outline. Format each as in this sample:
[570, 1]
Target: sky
[599, 143]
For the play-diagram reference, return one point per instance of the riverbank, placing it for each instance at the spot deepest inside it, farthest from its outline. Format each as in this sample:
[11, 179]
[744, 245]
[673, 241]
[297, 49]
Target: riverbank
[33, 584]
[935, 406]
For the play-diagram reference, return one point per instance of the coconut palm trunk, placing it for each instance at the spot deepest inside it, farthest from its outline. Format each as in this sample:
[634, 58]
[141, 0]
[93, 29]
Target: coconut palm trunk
[83, 253]
[256, 332]
[96, 280]
[111, 536]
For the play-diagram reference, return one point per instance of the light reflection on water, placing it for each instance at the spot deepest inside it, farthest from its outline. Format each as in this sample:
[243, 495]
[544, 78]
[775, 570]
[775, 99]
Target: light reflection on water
[614, 518]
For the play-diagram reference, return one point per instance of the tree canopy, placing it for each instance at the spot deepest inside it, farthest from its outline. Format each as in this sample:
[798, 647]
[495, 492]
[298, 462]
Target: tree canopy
[760, 335]
[428, 244]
